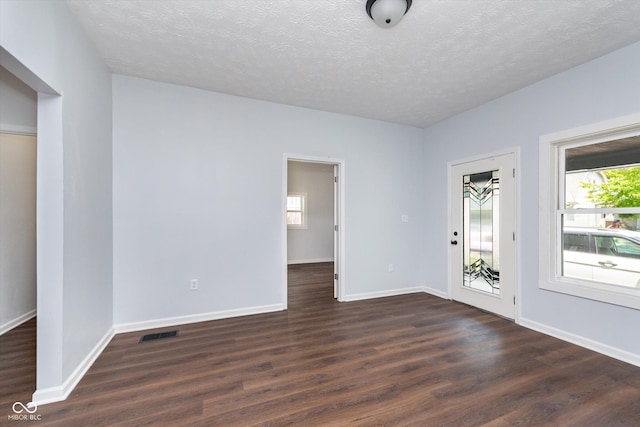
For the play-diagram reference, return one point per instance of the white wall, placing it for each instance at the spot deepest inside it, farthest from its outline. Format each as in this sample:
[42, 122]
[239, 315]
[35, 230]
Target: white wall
[43, 44]
[314, 243]
[599, 90]
[18, 105]
[198, 180]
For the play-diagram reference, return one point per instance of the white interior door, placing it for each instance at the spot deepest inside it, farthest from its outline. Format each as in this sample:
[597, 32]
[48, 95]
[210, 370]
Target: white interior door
[482, 201]
[336, 235]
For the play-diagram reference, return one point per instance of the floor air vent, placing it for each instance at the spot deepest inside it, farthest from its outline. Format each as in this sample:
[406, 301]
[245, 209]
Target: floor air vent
[159, 335]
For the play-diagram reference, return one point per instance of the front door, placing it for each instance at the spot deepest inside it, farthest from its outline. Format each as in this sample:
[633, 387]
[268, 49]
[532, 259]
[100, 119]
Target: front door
[482, 257]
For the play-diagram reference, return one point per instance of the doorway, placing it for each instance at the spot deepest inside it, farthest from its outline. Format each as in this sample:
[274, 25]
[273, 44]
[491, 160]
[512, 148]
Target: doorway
[482, 225]
[18, 278]
[325, 204]
[18, 229]
[49, 218]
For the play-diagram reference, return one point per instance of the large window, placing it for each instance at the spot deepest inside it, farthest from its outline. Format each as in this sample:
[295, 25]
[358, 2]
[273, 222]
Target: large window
[590, 216]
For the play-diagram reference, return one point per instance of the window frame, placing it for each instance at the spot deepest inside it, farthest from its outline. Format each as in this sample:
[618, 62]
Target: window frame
[552, 208]
[303, 211]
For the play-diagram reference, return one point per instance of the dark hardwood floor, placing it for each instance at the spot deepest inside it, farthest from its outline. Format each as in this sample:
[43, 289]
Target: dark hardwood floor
[405, 360]
[17, 367]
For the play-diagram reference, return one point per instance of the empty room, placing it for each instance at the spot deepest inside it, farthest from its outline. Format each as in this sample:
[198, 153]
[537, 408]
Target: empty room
[338, 212]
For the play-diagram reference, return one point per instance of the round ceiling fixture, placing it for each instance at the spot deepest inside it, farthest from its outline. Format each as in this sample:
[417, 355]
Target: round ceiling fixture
[387, 13]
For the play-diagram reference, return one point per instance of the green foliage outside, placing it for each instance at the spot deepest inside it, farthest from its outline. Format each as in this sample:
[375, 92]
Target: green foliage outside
[621, 190]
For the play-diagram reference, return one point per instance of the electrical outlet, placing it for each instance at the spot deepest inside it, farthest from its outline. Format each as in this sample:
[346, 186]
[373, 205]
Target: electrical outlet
[194, 284]
[404, 218]
[390, 268]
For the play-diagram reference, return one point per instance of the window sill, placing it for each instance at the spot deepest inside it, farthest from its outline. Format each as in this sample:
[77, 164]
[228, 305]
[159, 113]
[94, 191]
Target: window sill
[617, 295]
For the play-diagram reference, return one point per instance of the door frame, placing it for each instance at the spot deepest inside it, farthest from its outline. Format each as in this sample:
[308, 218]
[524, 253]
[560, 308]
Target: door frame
[339, 168]
[49, 234]
[517, 217]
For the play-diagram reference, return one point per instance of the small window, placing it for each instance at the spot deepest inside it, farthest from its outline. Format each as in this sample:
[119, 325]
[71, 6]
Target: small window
[590, 212]
[296, 210]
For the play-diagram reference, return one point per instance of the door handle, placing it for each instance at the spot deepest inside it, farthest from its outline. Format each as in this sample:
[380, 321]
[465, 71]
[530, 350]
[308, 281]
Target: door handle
[454, 242]
[607, 264]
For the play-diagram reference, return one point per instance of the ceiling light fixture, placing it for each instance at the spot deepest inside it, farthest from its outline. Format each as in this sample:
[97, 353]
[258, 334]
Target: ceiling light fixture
[387, 13]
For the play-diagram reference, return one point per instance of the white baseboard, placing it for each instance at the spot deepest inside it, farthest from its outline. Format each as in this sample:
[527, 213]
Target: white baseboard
[381, 294]
[393, 292]
[17, 321]
[309, 261]
[195, 318]
[599, 347]
[436, 292]
[60, 393]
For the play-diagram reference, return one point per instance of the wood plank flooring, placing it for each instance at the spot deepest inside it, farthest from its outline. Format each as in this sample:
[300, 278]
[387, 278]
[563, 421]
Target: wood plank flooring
[17, 367]
[405, 360]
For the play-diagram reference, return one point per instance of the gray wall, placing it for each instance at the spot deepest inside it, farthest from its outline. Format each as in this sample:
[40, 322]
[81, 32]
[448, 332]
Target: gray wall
[43, 42]
[198, 183]
[314, 243]
[599, 90]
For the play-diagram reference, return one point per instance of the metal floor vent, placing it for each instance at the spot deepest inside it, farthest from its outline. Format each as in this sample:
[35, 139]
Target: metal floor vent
[159, 335]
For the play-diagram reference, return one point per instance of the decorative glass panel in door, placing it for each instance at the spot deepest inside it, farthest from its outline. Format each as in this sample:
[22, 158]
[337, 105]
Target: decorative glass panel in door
[481, 248]
[482, 233]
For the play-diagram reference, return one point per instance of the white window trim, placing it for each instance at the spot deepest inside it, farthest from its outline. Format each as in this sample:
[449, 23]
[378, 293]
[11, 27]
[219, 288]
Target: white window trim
[304, 224]
[550, 197]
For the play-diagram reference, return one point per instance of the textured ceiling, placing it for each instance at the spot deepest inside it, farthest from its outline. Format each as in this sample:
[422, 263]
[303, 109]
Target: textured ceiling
[445, 57]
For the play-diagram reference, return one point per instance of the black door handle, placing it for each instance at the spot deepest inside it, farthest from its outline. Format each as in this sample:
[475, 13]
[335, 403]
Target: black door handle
[454, 242]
